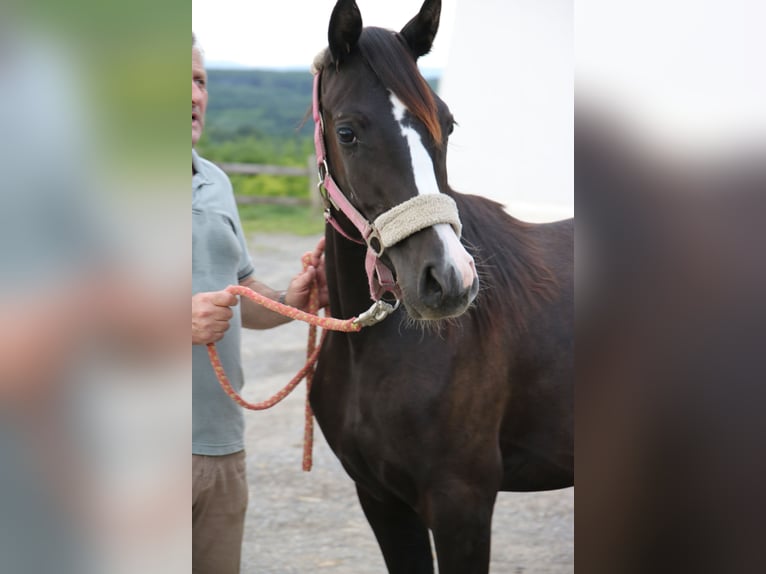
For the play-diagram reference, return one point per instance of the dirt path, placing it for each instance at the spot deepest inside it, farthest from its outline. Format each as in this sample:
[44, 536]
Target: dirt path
[305, 523]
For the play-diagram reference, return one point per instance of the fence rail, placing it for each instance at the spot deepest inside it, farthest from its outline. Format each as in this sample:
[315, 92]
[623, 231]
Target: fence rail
[260, 169]
[309, 171]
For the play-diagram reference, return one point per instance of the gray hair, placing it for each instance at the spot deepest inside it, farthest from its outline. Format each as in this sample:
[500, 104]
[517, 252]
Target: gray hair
[196, 46]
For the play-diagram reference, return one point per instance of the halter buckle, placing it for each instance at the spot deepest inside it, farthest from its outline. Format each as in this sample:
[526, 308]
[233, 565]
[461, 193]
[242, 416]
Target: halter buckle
[376, 313]
[322, 171]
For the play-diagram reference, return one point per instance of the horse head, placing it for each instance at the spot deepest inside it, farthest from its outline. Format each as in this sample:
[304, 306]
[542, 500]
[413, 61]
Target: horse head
[385, 134]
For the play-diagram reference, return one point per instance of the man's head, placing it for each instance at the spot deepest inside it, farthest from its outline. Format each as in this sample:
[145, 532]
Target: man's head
[199, 91]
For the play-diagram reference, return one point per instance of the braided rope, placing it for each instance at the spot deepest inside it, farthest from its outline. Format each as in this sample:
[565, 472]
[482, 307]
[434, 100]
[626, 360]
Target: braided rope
[312, 354]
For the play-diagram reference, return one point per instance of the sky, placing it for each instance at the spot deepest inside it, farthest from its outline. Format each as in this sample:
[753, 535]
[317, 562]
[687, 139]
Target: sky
[289, 33]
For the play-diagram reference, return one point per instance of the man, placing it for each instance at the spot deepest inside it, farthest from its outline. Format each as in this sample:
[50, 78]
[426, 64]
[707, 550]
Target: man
[220, 258]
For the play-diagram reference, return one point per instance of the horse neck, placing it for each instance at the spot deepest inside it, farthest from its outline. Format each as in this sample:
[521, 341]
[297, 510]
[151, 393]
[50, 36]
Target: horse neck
[518, 274]
[346, 277]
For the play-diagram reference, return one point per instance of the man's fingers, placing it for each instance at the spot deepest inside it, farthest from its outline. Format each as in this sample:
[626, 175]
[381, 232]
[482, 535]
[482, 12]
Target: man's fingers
[220, 327]
[316, 255]
[209, 331]
[302, 281]
[319, 249]
[223, 299]
[310, 275]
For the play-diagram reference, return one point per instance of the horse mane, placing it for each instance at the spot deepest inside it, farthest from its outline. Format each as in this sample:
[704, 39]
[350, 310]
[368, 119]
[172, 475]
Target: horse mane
[390, 59]
[510, 262]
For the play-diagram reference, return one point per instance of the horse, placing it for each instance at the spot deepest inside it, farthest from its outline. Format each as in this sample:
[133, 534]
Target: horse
[466, 388]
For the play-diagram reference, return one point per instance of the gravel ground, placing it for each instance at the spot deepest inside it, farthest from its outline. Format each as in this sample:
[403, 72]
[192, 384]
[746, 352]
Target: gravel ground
[311, 522]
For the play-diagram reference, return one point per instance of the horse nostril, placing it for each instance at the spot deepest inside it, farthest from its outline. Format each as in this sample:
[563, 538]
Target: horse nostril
[431, 289]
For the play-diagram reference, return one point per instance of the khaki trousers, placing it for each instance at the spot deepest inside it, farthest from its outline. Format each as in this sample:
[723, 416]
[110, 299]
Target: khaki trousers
[219, 501]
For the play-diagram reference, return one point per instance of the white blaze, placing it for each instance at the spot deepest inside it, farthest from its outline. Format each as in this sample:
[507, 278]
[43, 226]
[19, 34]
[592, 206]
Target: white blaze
[425, 182]
[422, 166]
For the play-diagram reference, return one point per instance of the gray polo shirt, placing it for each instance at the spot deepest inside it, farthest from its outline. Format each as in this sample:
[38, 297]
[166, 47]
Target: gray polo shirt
[219, 259]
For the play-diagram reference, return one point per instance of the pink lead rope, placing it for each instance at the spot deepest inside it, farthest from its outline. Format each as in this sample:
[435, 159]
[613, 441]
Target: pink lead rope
[375, 314]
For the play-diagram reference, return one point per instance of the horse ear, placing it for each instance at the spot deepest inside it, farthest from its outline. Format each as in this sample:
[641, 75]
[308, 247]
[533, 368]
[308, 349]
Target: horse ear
[420, 32]
[345, 29]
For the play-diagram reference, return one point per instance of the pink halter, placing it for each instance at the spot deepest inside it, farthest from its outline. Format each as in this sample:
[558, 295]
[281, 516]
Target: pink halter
[379, 276]
[390, 227]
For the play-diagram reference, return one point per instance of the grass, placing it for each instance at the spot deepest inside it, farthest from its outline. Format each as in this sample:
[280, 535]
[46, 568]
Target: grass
[265, 218]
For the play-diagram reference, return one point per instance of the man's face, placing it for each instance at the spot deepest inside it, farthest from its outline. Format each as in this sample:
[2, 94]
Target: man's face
[199, 96]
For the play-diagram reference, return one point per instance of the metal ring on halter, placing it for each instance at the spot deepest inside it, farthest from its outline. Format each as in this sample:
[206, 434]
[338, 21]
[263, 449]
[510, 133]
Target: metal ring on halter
[374, 235]
[322, 171]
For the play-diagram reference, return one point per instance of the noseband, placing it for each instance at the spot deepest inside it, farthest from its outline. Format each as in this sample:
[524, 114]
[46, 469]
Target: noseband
[390, 227]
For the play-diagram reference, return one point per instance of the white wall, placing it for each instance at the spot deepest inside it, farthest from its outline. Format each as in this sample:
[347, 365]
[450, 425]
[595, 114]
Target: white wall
[509, 83]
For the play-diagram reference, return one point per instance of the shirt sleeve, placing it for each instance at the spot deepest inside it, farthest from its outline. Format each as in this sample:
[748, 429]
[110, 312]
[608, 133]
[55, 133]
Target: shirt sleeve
[246, 268]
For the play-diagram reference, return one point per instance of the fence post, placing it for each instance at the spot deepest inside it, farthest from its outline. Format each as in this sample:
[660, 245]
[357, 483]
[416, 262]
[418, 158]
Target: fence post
[314, 198]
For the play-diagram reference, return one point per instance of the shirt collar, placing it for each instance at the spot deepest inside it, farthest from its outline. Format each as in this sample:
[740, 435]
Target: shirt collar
[200, 177]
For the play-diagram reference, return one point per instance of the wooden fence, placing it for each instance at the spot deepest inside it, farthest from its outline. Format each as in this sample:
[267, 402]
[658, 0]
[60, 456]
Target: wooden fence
[309, 171]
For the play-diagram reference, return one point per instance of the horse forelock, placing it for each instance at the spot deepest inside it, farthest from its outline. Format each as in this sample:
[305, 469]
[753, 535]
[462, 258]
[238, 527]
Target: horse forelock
[389, 58]
[391, 61]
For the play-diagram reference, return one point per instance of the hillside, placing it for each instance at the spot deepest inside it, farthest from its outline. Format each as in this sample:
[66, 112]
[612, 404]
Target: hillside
[257, 102]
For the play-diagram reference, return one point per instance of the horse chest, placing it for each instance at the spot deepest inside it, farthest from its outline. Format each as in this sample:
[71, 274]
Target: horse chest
[369, 404]
[358, 407]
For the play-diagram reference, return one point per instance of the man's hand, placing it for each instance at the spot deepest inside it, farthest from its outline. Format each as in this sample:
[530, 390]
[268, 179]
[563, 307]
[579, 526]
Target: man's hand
[211, 313]
[300, 287]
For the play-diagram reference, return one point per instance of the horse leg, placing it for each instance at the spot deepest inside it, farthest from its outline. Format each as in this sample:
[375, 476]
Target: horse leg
[461, 521]
[401, 535]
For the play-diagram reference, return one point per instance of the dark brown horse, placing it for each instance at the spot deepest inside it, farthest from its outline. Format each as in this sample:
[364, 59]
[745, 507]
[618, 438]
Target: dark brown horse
[466, 389]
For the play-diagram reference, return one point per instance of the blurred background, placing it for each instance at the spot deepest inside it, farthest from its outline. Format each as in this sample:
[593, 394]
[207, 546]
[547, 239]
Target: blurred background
[95, 409]
[670, 142]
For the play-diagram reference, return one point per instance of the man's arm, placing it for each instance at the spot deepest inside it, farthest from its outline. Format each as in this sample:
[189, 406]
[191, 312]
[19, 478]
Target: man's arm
[255, 316]
[211, 311]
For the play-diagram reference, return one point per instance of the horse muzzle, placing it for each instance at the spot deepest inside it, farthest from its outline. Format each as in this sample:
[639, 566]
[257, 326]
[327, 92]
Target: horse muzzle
[445, 283]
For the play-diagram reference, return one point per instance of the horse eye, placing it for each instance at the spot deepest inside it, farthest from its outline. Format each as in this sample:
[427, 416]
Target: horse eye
[451, 127]
[346, 135]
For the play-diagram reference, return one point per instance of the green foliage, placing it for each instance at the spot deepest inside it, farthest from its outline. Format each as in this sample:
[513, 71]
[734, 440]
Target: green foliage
[266, 218]
[274, 150]
[271, 185]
